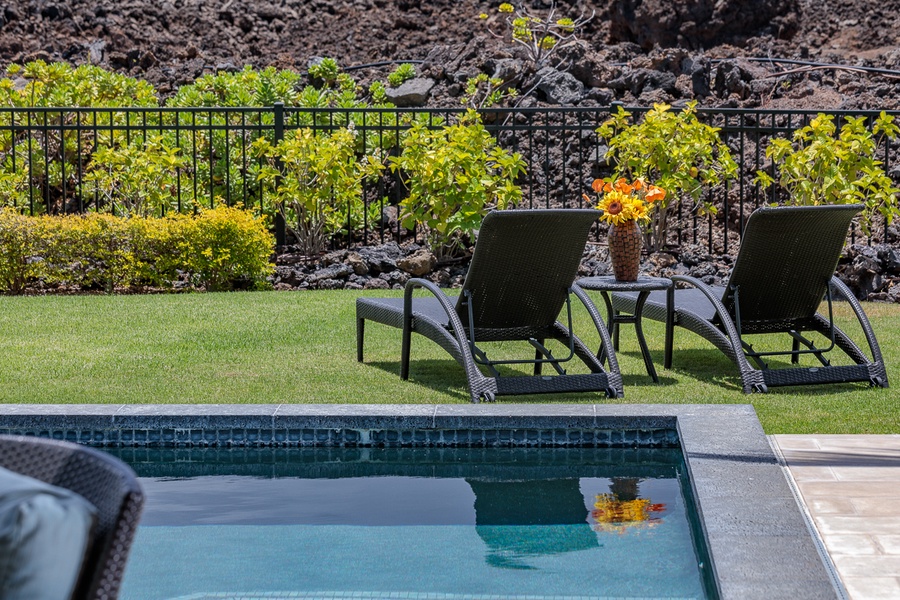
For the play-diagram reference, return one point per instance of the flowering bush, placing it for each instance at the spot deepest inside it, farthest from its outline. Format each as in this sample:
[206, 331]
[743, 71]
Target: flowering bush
[622, 201]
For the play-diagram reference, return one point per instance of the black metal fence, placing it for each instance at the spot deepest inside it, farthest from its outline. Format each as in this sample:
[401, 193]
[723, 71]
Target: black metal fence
[69, 160]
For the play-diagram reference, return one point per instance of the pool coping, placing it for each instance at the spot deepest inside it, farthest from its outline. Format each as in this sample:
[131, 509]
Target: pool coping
[759, 542]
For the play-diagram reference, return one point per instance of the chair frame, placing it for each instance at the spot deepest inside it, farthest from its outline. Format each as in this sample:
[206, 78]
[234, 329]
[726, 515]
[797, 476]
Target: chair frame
[104, 481]
[444, 325]
[726, 331]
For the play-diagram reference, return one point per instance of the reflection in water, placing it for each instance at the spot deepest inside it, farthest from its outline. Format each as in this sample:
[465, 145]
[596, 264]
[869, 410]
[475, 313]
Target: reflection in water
[623, 508]
[517, 519]
[520, 519]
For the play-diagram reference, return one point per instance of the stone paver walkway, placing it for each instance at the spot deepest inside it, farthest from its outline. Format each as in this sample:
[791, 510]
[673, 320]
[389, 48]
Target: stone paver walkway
[850, 485]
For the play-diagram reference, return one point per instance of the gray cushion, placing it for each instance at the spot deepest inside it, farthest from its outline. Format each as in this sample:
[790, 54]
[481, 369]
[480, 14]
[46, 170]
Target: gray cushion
[44, 535]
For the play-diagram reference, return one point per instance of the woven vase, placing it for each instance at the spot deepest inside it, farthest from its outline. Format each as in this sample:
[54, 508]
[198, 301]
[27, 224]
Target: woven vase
[625, 242]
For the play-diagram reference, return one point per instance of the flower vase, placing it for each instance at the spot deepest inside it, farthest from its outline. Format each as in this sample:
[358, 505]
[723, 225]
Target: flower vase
[625, 242]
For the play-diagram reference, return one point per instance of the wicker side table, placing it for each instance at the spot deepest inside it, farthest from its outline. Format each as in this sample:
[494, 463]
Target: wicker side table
[643, 286]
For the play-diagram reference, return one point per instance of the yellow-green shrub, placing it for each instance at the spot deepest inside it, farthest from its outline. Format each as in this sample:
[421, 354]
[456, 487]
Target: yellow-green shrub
[214, 249]
[20, 242]
[225, 244]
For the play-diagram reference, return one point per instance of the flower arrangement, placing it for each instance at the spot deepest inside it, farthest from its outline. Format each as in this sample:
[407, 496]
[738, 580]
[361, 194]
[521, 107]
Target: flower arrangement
[616, 516]
[622, 201]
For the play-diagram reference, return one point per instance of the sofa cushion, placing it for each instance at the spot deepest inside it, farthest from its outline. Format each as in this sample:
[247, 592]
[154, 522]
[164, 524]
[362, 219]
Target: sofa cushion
[45, 532]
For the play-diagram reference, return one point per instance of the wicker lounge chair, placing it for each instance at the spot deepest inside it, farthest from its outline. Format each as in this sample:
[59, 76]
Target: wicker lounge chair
[518, 282]
[102, 480]
[784, 269]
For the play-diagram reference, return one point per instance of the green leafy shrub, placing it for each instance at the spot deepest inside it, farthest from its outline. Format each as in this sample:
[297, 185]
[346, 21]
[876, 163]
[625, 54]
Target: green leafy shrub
[672, 150]
[317, 182]
[820, 166]
[47, 160]
[138, 179]
[455, 175]
[403, 72]
[60, 84]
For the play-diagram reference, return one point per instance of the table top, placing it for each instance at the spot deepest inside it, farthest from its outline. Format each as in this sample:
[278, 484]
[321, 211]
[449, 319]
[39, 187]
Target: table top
[608, 283]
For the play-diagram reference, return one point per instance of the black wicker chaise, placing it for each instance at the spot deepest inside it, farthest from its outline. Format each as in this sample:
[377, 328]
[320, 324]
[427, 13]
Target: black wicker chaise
[104, 481]
[784, 269]
[518, 282]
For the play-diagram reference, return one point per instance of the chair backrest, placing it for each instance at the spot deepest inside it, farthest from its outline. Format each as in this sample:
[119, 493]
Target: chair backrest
[104, 481]
[524, 263]
[788, 255]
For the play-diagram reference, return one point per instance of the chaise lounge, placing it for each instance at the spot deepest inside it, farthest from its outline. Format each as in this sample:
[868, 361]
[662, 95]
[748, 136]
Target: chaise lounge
[519, 280]
[784, 269]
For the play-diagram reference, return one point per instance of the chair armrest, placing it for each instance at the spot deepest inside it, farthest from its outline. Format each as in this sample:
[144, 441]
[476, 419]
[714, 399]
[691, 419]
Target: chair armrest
[724, 317]
[860, 316]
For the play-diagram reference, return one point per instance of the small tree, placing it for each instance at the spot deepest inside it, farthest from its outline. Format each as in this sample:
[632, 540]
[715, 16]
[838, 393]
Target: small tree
[673, 150]
[820, 167]
[317, 180]
[455, 175]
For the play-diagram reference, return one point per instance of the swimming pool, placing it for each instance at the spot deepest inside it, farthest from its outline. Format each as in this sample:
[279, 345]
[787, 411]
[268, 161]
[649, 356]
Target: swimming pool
[448, 523]
[759, 543]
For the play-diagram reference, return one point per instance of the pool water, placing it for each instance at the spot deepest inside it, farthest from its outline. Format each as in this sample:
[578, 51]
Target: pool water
[442, 524]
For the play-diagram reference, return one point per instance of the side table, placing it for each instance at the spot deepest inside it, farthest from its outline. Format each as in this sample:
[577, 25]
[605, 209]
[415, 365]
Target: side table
[643, 286]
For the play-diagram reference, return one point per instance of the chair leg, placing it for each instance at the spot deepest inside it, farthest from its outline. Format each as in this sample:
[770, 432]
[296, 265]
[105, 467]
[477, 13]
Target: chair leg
[360, 334]
[405, 349]
[670, 327]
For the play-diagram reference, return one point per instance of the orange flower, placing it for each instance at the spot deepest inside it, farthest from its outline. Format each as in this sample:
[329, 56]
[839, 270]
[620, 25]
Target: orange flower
[623, 186]
[638, 184]
[597, 186]
[655, 193]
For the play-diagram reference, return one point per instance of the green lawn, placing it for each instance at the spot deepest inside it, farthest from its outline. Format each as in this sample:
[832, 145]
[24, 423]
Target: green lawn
[274, 347]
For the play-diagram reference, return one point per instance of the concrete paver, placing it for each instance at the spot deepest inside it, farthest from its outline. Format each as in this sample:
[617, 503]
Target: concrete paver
[849, 484]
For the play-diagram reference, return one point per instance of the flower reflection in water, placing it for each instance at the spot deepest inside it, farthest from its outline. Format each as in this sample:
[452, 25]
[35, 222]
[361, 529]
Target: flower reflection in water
[623, 509]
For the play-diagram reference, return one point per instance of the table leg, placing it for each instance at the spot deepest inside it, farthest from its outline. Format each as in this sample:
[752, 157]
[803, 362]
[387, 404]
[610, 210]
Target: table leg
[645, 352]
[612, 327]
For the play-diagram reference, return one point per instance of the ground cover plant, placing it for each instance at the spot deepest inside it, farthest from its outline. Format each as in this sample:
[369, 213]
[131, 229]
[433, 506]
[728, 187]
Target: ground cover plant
[301, 348]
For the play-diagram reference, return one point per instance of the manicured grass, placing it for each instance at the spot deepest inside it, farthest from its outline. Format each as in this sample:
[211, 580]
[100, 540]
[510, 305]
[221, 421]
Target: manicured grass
[300, 347]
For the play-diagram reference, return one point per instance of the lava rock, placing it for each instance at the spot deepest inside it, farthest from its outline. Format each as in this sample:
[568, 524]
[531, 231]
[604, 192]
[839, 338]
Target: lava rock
[413, 92]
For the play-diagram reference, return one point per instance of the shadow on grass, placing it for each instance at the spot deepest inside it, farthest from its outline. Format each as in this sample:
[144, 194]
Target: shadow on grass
[443, 376]
[447, 377]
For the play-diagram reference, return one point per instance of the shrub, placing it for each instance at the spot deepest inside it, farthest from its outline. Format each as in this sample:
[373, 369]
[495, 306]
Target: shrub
[138, 179]
[20, 243]
[48, 160]
[91, 251]
[820, 167]
[225, 245]
[540, 36]
[673, 150]
[215, 249]
[455, 175]
[317, 181]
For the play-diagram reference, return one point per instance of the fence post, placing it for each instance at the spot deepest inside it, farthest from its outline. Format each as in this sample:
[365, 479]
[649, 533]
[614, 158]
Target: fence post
[278, 110]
